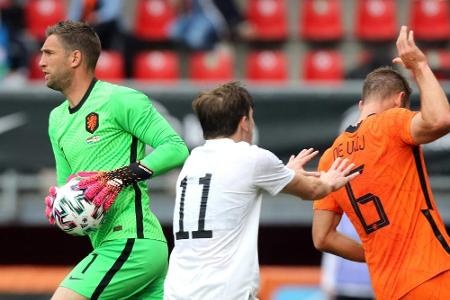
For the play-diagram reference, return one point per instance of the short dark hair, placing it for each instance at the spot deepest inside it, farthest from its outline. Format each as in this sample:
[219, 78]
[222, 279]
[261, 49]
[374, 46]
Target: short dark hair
[384, 82]
[221, 109]
[78, 36]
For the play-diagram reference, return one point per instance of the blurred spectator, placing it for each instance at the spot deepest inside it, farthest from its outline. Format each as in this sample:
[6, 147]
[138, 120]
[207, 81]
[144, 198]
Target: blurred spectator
[203, 23]
[14, 50]
[104, 16]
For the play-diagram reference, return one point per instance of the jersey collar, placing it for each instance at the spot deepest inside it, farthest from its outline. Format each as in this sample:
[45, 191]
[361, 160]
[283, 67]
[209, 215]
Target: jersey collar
[353, 128]
[86, 95]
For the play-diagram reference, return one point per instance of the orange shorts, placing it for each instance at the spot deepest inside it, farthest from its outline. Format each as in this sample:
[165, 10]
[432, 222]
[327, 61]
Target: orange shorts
[437, 288]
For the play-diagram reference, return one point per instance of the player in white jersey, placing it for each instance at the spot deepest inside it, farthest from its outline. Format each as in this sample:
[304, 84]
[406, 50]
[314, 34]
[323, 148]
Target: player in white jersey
[218, 200]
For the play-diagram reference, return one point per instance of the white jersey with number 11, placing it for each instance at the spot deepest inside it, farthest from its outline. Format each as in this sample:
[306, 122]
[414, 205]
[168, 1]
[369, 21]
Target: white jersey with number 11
[216, 217]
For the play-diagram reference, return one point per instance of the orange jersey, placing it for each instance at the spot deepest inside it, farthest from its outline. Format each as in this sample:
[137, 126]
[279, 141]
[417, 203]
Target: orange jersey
[390, 203]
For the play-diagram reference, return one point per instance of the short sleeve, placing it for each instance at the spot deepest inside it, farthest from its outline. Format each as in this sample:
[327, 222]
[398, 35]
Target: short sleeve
[329, 202]
[396, 123]
[270, 174]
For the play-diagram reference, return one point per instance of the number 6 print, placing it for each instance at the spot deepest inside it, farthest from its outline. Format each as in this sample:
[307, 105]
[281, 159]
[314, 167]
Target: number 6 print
[360, 202]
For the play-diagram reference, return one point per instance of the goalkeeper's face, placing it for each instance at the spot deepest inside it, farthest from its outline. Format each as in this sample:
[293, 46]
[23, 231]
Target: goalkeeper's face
[55, 63]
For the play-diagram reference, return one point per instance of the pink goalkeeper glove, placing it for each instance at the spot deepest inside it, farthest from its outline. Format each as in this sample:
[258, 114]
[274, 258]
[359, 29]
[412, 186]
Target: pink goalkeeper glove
[103, 188]
[53, 190]
[49, 204]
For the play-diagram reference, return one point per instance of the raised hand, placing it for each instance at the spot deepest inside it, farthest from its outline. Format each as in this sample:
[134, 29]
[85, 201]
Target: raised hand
[409, 55]
[298, 162]
[338, 174]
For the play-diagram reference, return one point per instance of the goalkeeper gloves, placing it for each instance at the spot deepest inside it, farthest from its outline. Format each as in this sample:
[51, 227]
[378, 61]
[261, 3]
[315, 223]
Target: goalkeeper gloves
[103, 188]
[53, 190]
[49, 200]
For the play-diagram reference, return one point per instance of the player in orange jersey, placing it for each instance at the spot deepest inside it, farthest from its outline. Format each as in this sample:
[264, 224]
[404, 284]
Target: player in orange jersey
[404, 241]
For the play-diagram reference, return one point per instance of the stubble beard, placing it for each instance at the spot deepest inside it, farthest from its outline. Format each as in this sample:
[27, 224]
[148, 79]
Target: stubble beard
[61, 84]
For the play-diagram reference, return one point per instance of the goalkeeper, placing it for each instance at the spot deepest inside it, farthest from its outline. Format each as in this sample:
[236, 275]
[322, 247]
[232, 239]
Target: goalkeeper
[103, 128]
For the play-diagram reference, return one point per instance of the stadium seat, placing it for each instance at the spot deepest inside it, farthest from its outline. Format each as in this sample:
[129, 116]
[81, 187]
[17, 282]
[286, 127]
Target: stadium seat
[268, 18]
[439, 60]
[217, 65]
[321, 20]
[110, 66]
[376, 20]
[267, 66]
[39, 14]
[430, 20]
[34, 71]
[323, 65]
[156, 65]
[153, 18]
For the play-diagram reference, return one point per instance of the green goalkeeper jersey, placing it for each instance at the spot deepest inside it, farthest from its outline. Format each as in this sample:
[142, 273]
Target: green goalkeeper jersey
[107, 130]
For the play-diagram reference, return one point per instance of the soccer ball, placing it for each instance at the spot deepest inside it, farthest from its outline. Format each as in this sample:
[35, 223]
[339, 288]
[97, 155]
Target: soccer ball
[73, 213]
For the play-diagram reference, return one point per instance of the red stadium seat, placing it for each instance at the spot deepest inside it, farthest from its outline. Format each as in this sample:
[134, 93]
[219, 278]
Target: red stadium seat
[153, 18]
[430, 19]
[323, 65]
[439, 61]
[39, 14]
[110, 66]
[376, 20]
[267, 66]
[156, 65]
[321, 20]
[34, 71]
[268, 18]
[5, 3]
[215, 65]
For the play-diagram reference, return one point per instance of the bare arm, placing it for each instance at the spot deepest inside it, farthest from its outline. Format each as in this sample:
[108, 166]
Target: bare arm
[433, 120]
[327, 239]
[312, 186]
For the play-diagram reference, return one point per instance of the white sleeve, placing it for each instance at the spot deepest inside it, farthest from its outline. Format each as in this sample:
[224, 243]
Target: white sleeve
[270, 173]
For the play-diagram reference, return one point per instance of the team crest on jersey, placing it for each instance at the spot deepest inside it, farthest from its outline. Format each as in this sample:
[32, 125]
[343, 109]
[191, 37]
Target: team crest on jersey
[92, 122]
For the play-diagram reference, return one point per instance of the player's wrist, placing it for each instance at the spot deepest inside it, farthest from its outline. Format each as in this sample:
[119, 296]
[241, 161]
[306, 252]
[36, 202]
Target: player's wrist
[130, 174]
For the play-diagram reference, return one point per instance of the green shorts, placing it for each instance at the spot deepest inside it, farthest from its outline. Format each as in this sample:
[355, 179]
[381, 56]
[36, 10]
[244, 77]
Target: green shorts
[121, 269]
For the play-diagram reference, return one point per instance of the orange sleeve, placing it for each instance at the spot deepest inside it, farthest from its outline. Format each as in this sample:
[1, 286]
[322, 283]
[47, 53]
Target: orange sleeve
[329, 202]
[396, 122]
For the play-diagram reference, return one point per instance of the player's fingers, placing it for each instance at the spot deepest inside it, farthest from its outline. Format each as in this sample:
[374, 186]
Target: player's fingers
[52, 191]
[353, 175]
[402, 38]
[311, 154]
[398, 61]
[342, 165]
[291, 159]
[86, 174]
[49, 201]
[411, 38]
[111, 198]
[336, 162]
[100, 198]
[48, 212]
[303, 153]
[84, 183]
[348, 168]
[93, 190]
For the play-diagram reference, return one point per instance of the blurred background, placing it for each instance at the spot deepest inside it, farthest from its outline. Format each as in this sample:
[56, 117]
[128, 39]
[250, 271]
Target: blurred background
[303, 61]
